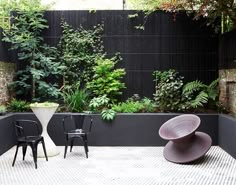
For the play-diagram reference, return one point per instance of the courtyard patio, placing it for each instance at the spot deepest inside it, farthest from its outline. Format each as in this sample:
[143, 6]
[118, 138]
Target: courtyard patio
[118, 166]
[117, 72]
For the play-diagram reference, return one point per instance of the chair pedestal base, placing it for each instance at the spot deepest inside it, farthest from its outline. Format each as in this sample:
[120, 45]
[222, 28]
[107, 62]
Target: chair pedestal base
[188, 150]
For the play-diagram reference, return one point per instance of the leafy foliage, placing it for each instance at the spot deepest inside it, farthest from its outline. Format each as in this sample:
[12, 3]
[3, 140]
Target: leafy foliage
[168, 90]
[18, 106]
[172, 95]
[76, 100]
[134, 104]
[128, 107]
[106, 79]
[108, 114]
[199, 94]
[148, 105]
[200, 100]
[39, 60]
[6, 6]
[99, 103]
[79, 50]
[219, 14]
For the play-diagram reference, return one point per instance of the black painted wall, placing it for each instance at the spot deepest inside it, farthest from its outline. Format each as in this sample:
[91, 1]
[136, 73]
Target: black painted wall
[227, 48]
[185, 45]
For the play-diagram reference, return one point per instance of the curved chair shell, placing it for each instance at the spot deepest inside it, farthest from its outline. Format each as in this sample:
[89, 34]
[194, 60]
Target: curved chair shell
[179, 127]
[185, 144]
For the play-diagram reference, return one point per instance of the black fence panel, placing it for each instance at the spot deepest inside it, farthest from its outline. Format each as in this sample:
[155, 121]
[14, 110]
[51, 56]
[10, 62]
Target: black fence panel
[227, 50]
[182, 44]
[166, 43]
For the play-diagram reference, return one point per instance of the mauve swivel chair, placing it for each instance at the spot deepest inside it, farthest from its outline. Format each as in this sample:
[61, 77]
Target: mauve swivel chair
[185, 144]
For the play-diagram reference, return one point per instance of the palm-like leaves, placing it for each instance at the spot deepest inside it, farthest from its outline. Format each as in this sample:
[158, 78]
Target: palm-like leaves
[199, 93]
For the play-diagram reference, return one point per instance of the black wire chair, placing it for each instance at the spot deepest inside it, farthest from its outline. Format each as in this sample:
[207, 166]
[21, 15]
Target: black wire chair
[28, 134]
[76, 130]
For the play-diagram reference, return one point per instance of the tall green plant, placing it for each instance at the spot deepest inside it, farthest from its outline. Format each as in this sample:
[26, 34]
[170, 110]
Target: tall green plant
[79, 50]
[76, 99]
[106, 79]
[39, 60]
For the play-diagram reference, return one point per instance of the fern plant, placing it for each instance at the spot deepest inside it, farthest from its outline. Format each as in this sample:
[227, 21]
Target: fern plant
[197, 94]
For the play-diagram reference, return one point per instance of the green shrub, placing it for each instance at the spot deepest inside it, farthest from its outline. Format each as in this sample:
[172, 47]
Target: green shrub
[101, 105]
[148, 105]
[98, 104]
[79, 50]
[18, 106]
[128, 107]
[76, 100]
[107, 79]
[168, 90]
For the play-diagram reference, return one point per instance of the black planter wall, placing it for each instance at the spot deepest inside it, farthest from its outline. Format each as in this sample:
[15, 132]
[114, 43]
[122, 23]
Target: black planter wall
[227, 136]
[7, 133]
[125, 130]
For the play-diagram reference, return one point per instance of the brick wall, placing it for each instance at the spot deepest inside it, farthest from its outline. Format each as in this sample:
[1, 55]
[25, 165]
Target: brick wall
[7, 71]
[228, 89]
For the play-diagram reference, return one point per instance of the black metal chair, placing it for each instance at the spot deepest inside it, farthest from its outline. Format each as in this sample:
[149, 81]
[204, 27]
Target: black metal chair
[76, 129]
[28, 134]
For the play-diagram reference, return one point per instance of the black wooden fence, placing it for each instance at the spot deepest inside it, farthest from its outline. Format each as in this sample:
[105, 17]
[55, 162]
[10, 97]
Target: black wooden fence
[227, 50]
[185, 45]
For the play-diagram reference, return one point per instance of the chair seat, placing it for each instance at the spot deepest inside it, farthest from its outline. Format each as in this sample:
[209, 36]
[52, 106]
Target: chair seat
[30, 139]
[76, 131]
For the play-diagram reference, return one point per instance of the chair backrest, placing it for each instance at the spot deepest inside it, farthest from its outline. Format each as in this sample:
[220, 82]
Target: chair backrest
[71, 122]
[24, 128]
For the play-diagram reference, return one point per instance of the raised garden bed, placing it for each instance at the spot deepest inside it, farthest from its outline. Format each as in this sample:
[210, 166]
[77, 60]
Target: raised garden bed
[126, 130]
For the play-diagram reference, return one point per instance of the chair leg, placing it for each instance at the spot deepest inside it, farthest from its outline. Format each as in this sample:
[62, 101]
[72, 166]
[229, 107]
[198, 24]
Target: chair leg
[86, 139]
[71, 144]
[34, 151]
[85, 147]
[17, 147]
[66, 146]
[44, 150]
[24, 149]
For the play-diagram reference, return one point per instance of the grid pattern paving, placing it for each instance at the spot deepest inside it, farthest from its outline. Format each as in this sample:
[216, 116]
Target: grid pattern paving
[117, 166]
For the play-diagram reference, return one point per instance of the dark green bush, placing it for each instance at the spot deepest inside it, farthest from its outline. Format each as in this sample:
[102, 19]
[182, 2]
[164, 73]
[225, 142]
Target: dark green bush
[168, 90]
[18, 106]
[79, 50]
